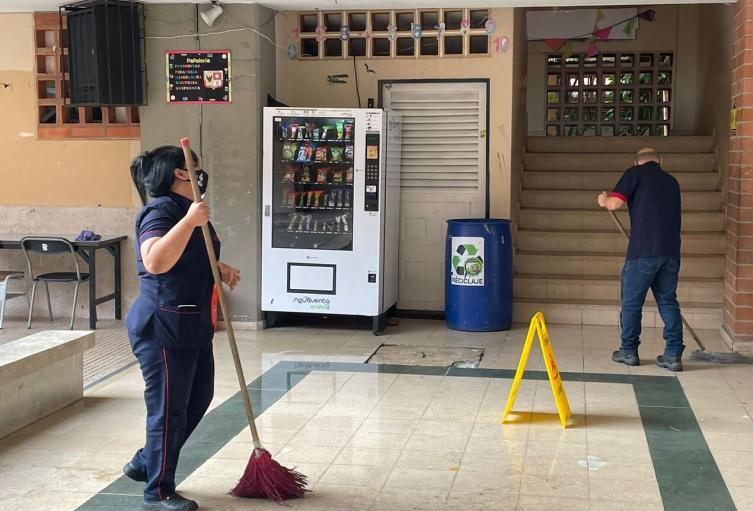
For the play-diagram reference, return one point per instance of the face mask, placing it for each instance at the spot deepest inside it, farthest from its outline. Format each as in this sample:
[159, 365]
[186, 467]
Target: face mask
[202, 180]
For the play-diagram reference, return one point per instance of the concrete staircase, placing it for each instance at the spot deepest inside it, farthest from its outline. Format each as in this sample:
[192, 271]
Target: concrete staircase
[569, 254]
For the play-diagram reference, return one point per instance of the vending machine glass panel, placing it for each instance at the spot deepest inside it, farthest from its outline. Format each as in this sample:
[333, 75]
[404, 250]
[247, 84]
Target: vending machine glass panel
[313, 183]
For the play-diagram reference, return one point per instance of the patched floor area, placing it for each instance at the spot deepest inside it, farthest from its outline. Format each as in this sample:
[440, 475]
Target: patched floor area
[410, 436]
[408, 354]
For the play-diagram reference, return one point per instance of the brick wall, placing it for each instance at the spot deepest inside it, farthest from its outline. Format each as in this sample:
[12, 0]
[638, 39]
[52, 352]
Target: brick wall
[738, 317]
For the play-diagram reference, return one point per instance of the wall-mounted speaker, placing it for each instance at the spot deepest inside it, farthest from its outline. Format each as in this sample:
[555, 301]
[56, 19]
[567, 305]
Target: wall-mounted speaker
[104, 52]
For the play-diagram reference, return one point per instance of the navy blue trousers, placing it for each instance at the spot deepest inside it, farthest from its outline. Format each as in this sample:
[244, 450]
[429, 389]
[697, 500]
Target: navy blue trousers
[179, 388]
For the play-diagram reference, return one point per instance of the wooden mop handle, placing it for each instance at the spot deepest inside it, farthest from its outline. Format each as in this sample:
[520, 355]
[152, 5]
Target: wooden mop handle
[221, 296]
[619, 224]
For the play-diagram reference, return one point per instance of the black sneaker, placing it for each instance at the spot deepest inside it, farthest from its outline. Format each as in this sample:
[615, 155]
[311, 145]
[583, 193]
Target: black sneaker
[674, 364]
[174, 502]
[629, 359]
[132, 472]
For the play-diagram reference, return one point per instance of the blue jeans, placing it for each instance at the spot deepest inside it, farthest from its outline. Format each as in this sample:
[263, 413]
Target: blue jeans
[659, 274]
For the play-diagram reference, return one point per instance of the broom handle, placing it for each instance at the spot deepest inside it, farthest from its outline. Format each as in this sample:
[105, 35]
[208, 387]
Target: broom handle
[684, 321]
[221, 296]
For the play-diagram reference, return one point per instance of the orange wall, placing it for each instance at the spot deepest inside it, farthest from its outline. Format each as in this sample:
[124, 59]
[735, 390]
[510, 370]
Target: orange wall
[50, 172]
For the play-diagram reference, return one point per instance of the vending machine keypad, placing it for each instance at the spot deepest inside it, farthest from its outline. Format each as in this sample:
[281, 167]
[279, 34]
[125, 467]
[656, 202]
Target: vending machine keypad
[371, 195]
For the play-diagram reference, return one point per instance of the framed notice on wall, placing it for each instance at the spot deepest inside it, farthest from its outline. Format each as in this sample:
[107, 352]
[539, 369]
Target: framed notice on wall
[198, 76]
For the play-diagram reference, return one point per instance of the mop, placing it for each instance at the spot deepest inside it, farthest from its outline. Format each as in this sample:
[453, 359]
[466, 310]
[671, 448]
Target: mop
[699, 355]
[263, 477]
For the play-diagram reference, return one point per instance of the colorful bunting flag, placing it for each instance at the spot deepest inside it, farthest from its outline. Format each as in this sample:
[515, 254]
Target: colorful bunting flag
[629, 27]
[555, 44]
[603, 33]
[649, 15]
[567, 50]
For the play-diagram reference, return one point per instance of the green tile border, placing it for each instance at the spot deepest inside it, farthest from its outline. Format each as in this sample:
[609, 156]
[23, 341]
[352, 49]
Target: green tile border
[686, 472]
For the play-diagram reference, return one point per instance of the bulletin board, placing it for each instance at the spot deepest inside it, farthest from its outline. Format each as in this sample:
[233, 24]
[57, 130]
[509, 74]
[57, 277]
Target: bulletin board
[198, 76]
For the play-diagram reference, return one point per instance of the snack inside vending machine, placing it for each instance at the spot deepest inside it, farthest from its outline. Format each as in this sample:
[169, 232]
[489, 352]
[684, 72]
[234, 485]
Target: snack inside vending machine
[330, 212]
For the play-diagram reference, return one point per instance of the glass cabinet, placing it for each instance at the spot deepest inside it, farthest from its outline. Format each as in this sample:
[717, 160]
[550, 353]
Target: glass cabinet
[313, 183]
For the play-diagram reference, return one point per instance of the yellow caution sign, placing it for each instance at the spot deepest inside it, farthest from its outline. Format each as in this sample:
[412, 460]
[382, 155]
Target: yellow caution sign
[538, 326]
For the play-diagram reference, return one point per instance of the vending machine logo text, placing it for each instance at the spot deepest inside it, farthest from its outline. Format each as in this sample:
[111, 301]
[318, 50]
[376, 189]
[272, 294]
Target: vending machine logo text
[467, 262]
[314, 303]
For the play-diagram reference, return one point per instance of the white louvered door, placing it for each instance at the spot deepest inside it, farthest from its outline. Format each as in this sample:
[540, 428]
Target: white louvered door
[443, 176]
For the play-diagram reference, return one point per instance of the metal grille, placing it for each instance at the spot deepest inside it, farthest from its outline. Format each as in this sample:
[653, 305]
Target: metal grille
[620, 93]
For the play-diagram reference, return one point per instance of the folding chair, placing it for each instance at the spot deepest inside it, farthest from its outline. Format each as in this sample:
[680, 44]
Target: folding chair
[39, 246]
[6, 277]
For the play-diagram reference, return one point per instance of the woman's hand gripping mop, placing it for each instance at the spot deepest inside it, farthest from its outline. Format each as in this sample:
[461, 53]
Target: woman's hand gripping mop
[264, 477]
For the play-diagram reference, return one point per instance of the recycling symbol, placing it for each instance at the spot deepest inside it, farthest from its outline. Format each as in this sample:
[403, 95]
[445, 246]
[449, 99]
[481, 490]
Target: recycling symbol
[467, 261]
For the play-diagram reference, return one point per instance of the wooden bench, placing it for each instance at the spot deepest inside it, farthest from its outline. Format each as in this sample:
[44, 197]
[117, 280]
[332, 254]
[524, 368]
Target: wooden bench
[40, 374]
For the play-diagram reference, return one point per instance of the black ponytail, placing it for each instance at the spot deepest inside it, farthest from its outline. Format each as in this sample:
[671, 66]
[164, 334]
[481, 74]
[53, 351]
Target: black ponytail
[153, 172]
[138, 171]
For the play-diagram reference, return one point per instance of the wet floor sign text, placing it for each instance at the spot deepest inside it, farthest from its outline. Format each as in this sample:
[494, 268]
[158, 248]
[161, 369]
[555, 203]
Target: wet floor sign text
[538, 328]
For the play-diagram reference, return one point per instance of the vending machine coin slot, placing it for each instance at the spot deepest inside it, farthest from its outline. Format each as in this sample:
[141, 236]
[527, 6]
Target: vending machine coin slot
[371, 194]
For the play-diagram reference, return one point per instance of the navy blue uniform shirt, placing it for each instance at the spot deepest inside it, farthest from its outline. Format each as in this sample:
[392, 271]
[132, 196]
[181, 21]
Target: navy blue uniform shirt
[653, 199]
[173, 309]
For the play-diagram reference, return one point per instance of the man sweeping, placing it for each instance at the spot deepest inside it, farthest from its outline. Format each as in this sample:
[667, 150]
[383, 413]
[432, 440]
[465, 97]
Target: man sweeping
[653, 255]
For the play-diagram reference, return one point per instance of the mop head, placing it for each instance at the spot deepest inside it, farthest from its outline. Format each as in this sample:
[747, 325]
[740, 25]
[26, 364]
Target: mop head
[264, 478]
[731, 357]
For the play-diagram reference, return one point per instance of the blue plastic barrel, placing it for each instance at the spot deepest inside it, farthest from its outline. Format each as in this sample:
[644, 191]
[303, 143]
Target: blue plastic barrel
[478, 281]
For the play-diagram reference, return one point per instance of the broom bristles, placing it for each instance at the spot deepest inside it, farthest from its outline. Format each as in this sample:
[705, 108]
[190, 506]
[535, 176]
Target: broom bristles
[264, 478]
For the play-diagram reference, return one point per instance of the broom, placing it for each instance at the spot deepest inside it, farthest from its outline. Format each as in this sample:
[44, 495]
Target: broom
[699, 355]
[263, 477]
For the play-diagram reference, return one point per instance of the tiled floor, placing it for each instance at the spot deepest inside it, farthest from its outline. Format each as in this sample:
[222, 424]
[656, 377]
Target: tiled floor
[403, 437]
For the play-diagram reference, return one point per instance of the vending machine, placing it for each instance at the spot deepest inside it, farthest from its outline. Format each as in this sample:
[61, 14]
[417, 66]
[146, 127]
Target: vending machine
[330, 212]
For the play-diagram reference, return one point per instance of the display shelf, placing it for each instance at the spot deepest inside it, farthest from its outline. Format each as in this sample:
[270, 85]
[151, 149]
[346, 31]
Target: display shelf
[295, 140]
[314, 162]
[294, 231]
[314, 208]
[350, 185]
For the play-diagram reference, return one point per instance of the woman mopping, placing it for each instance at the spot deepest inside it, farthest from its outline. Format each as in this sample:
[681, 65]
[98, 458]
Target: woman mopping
[170, 325]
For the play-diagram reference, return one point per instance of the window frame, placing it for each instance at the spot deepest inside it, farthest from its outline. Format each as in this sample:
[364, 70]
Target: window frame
[465, 34]
[657, 126]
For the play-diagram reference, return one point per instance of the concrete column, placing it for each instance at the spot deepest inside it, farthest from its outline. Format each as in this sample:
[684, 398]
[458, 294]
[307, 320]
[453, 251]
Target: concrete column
[738, 303]
[227, 137]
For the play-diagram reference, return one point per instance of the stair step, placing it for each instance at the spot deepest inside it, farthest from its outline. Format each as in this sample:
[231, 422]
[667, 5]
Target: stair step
[591, 162]
[586, 199]
[560, 180]
[713, 221]
[609, 242]
[608, 265]
[607, 313]
[558, 287]
[665, 145]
